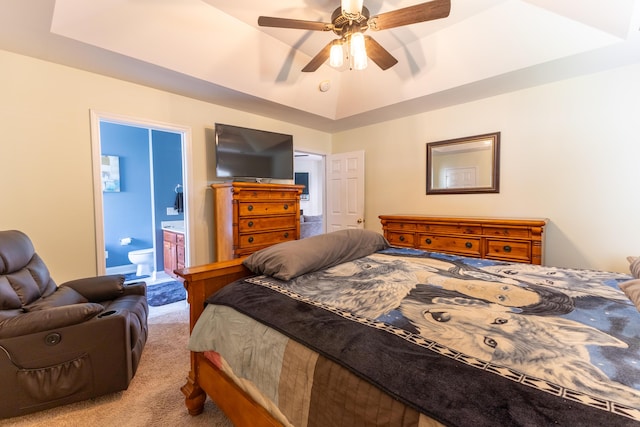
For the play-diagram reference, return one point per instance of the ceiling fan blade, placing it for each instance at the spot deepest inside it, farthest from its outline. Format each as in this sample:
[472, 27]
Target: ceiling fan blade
[378, 54]
[318, 60]
[429, 11]
[268, 21]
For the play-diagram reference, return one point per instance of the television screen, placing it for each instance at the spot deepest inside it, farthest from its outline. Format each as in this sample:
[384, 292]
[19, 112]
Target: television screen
[252, 153]
[302, 178]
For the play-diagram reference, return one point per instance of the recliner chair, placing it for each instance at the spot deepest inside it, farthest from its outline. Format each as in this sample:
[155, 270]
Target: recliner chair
[63, 344]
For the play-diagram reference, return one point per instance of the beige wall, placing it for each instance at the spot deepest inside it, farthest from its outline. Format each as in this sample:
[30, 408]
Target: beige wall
[46, 161]
[569, 153]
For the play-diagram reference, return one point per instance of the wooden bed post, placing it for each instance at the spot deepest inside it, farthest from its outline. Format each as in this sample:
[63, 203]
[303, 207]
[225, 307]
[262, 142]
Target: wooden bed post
[201, 282]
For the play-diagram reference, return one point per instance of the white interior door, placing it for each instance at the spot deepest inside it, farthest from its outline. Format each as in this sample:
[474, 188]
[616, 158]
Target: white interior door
[345, 191]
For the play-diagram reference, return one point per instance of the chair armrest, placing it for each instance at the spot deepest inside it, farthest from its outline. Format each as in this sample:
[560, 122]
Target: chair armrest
[136, 288]
[46, 320]
[100, 288]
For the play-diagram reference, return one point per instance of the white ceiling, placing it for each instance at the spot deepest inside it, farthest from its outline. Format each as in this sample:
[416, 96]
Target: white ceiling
[214, 50]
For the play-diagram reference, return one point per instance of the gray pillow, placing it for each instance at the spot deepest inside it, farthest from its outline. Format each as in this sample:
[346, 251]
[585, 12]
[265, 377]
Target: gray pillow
[291, 259]
[634, 266]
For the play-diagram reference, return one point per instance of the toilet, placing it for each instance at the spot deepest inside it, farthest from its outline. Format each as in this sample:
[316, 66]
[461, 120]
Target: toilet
[143, 258]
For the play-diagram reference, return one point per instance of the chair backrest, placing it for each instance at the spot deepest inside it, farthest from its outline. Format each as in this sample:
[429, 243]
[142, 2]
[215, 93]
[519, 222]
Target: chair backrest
[23, 275]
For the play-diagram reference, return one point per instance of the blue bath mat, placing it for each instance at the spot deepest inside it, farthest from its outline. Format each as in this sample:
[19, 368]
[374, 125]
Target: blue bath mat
[130, 277]
[165, 293]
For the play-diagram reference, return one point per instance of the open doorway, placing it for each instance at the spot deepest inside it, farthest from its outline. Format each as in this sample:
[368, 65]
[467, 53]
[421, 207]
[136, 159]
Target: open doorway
[309, 169]
[141, 189]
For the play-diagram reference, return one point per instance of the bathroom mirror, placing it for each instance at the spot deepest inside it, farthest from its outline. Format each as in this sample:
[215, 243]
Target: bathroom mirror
[464, 165]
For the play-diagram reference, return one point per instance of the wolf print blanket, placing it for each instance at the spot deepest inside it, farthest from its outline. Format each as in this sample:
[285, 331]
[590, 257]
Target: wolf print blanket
[466, 341]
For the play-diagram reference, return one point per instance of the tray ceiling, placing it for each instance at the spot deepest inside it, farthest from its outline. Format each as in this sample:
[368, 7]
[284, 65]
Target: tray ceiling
[215, 51]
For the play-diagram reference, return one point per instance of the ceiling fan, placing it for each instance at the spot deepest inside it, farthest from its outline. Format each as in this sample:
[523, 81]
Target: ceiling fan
[350, 21]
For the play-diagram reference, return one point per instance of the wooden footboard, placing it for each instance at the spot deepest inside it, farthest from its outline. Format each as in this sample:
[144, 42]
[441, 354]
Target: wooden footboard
[204, 378]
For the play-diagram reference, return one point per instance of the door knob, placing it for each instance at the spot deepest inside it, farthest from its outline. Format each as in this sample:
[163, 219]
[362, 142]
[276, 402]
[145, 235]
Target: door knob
[360, 221]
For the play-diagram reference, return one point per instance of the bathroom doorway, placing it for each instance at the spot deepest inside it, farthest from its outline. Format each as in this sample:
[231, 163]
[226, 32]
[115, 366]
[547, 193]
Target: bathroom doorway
[141, 183]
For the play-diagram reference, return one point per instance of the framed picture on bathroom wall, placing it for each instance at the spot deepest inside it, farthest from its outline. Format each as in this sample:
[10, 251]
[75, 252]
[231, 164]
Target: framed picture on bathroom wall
[110, 172]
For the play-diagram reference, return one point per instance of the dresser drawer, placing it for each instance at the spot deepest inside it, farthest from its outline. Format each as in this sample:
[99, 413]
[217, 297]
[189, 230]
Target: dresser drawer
[247, 225]
[266, 239]
[450, 229]
[510, 250]
[266, 195]
[459, 245]
[266, 208]
[513, 232]
[251, 194]
[401, 226]
[400, 239]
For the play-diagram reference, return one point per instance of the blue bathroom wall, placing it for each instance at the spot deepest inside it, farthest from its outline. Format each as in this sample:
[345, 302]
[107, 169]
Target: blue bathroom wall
[167, 167]
[130, 213]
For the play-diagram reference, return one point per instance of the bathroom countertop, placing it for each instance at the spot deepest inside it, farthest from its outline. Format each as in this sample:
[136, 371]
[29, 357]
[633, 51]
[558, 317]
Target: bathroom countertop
[173, 226]
[173, 229]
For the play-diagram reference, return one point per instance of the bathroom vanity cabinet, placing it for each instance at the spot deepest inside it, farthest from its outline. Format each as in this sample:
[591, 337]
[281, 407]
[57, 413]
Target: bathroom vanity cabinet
[173, 251]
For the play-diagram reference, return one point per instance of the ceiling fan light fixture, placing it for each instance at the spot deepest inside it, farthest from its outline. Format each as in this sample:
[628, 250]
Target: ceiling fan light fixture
[358, 51]
[336, 55]
[350, 20]
[360, 61]
[351, 9]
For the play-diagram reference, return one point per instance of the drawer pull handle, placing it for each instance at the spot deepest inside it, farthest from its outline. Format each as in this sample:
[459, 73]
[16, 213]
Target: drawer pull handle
[286, 206]
[250, 239]
[507, 248]
[250, 224]
[286, 235]
[468, 245]
[428, 241]
[401, 238]
[250, 208]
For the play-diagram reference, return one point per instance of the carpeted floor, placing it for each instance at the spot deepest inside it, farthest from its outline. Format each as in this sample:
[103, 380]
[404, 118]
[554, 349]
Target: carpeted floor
[153, 397]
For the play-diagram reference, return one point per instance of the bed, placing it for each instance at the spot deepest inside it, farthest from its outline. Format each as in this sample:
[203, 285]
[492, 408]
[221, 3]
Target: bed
[341, 329]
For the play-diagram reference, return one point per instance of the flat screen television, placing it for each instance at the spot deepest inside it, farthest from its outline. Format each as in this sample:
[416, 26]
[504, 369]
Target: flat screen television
[243, 153]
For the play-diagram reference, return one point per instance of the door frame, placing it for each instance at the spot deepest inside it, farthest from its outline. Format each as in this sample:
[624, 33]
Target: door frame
[96, 151]
[321, 180]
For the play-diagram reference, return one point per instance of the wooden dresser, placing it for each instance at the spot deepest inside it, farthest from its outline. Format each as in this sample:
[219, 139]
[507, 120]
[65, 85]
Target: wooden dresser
[505, 239]
[251, 216]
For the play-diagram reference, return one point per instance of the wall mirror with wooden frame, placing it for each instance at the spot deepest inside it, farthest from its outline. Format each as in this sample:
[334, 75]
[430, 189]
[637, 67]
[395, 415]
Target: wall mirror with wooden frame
[464, 165]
